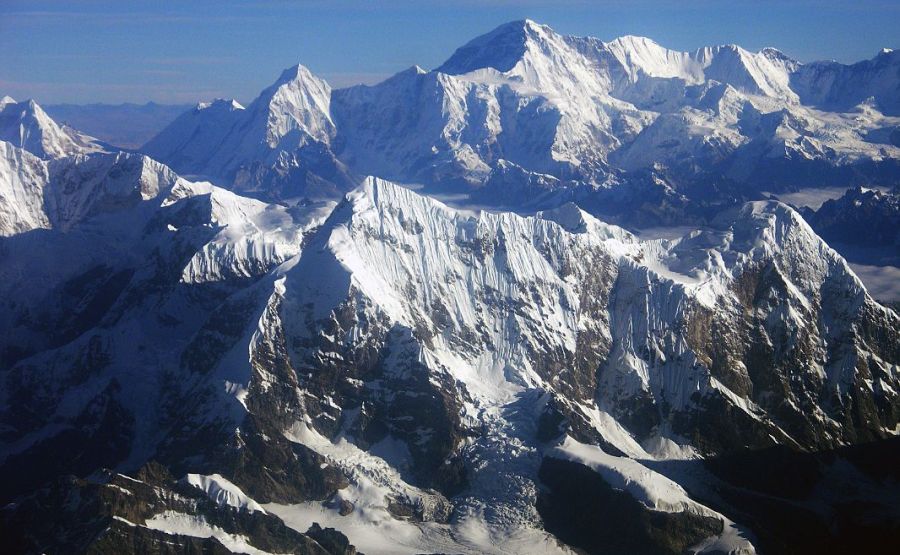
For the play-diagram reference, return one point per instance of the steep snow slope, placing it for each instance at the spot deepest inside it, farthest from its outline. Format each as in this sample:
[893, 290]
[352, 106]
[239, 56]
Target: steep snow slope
[589, 113]
[415, 367]
[511, 318]
[26, 125]
[580, 108]
[253, 237]
[444, 290]
[111, 217]
[838, 87]
[520, 313]
[63, 193]
[765, 72]
[278, 147]
[191, 139]
[23, 178]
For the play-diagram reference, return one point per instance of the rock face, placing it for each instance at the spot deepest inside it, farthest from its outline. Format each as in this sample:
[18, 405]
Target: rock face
[868, 218]
[578, 498]
[413, 366]
[23, 178]
[114, 513]
[267, 373]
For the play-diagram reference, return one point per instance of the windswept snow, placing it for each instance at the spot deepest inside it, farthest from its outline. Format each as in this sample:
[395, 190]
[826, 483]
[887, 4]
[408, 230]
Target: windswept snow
[172, 522]
[223, 492]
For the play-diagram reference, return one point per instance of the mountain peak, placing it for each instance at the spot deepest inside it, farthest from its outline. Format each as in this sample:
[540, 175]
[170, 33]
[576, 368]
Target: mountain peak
[26, 125]
[500, 49]
[634, 41]
[298, 100]
[228, 104]
[297, 81]
[771, 52]
[297, 72]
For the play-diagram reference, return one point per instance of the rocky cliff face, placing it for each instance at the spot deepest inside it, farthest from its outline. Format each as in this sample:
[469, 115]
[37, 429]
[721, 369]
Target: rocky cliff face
[417, 367]
[867, 218]
[244, 369]
[115, 513]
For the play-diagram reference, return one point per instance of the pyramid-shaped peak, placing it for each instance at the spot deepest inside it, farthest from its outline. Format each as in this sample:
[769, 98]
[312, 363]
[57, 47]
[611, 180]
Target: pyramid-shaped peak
[298, 72]
[500, 49]
[298, 100]
[31, 109]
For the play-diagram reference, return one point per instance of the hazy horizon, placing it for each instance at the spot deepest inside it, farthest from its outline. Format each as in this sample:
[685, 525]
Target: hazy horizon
[98, 51]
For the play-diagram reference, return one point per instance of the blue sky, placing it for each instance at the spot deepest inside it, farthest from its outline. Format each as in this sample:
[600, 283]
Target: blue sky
[182, 51]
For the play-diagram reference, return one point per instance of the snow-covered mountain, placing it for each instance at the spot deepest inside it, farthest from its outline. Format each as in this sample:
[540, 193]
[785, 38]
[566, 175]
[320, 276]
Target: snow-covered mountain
[586, 112]
[27, 126]
[838, 87]
[231, 342]
[582, 108]
[62, 193]
[417, 368]
[278, 147]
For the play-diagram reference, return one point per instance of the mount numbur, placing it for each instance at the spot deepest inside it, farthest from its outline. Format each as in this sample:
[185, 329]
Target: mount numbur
[248, 337]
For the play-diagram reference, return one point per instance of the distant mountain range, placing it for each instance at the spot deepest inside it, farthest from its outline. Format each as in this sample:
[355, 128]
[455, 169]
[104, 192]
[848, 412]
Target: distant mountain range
[576, 109]
[127, 126]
